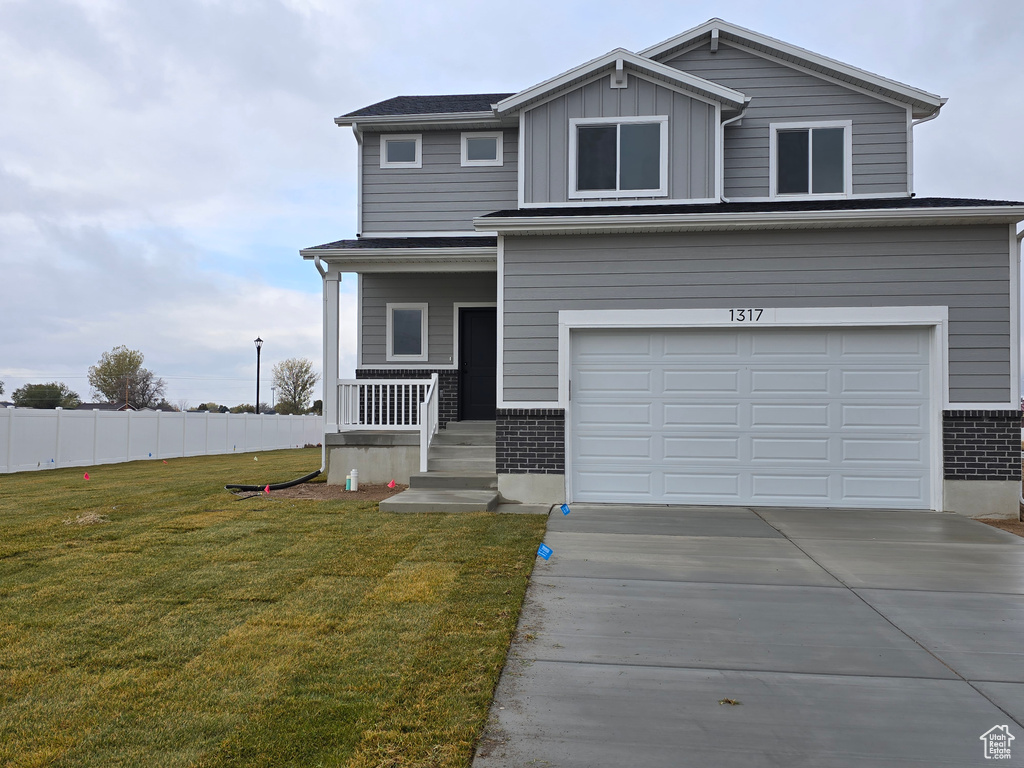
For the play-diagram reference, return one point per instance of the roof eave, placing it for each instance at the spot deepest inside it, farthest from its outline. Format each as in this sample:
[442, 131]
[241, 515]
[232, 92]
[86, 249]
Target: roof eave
[703, 222]
[428, 118]
[406, 259]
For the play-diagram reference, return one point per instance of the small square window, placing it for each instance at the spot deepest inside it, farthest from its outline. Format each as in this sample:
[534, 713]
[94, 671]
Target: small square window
[482, 149]
[810, 159]
[407, 332]
[401, 151]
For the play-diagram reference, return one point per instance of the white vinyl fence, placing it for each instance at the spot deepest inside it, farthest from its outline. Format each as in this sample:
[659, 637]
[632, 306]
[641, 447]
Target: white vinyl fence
[44, 439]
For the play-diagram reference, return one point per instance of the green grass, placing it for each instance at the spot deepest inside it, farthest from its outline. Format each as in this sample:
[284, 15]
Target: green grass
[198, 629]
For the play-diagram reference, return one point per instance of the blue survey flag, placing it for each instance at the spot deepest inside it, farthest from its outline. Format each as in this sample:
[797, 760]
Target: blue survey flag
[565, 509]
[544, 551]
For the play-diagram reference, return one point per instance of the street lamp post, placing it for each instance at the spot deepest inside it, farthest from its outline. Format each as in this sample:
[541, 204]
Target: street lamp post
[259, 345]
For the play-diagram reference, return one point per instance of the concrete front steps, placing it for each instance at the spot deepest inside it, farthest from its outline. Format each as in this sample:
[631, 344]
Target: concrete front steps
[460, 474]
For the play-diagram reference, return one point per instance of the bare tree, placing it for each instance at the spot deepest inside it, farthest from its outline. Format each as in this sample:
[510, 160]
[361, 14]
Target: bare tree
[294, 379]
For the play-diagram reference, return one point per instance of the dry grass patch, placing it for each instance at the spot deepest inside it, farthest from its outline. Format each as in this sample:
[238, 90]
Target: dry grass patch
[194, 628]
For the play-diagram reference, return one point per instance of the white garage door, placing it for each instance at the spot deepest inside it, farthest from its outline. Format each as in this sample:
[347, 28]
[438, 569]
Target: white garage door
[804, 417]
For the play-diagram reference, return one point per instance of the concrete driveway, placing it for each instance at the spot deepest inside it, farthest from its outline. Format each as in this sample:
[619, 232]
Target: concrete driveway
[847, 638]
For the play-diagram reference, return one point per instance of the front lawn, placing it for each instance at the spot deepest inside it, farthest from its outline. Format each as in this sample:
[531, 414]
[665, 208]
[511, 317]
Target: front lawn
[150, 618]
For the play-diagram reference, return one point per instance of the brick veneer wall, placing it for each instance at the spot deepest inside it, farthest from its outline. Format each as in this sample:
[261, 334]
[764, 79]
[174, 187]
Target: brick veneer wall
[981, 445]
[447, 381]
[530, 441]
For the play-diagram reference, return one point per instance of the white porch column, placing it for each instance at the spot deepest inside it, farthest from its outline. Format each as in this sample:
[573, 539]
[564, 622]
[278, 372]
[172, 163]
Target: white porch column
[330, 377]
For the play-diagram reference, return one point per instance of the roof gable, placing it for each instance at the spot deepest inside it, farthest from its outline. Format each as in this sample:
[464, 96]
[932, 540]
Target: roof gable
[621, 59]
[924, 104]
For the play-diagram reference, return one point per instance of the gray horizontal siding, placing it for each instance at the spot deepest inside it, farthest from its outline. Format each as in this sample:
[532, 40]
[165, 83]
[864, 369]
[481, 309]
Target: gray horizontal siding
[779, 93]
[439, 291]
[691, 128]
[442, 196]
[964, 268]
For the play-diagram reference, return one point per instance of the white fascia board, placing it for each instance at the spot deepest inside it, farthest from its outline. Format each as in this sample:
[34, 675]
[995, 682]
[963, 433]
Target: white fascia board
[685, 80]
[364, 260]
[815, 60]
[446, 119]
[691, 222]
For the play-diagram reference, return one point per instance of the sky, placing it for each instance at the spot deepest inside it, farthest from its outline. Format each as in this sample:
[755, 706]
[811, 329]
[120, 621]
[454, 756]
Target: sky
[162, 163]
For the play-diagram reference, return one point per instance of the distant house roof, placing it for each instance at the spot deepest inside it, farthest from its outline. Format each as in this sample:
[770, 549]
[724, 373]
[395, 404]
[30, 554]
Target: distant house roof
[106, 407]
[428, 105]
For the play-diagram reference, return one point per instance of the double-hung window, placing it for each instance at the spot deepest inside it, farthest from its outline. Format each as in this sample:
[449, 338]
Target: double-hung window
[406, 332]
[810, 159]
[618, 157]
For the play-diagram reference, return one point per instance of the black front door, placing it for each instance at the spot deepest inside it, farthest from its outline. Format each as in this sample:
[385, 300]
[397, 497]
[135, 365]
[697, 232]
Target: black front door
[478, 363]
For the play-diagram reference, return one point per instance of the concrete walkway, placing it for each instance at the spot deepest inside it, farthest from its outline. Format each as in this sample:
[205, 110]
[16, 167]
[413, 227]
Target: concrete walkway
[847, 638]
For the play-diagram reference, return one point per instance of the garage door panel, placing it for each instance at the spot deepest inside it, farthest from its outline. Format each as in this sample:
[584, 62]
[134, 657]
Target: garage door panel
[875, 488]
[622, 448]
[701, 382]
[885, 417]
[789, 343]
[699, 344]
[880, 382]
[802, 381]
[789, 415]
[812, 417]
[691, 486]
[597, 380]
[874, 450]
[778, 449]
[811, 488]
[701, 448]
[698, 416]
[611, 481]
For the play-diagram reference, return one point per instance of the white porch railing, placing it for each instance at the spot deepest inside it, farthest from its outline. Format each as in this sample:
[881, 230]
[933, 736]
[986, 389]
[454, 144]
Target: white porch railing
[390, 405]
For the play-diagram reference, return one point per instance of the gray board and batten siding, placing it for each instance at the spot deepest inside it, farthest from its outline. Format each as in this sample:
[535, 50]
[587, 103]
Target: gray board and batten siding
[438, 290]
[781, 93]
[966, 268]
[441, 196]
[691, 136]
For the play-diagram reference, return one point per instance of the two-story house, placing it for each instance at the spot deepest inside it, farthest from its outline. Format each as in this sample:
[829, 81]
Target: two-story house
[697, 274]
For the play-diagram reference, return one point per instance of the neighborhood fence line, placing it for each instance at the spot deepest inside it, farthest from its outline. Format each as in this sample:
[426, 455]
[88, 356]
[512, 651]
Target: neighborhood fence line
[32, 439]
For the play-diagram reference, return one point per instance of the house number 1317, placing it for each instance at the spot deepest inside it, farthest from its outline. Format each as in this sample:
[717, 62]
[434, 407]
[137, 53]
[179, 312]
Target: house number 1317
[745, 315]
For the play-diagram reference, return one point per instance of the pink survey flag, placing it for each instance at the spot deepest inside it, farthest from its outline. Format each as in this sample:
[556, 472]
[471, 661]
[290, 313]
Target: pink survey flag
[267, 489]
[85, 476]
[391, 484]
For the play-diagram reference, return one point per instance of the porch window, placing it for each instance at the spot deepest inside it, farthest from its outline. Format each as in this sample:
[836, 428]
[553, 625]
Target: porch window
[407, 332]
[618, 157]
[810, 158]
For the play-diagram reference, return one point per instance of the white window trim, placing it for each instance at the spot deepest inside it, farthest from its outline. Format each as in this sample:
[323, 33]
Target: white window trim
[773, 163]
[661, 191]
[498, 141]
[386, 137]
[391, 357]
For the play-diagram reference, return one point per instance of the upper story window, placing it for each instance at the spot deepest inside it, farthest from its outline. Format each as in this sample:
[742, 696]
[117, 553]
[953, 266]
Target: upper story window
[482, 148]
[401, 150]
[811, 159]
[618, 156]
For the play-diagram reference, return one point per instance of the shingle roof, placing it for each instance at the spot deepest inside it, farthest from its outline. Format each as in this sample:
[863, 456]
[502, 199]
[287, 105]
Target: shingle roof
[860, 204]
[431, 105]
[372, 243]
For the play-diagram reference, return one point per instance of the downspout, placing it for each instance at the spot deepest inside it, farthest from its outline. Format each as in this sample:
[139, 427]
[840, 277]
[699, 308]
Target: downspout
[323, 446]
[722, 144]
[359, 179]
[1020, 237]
[910, 153]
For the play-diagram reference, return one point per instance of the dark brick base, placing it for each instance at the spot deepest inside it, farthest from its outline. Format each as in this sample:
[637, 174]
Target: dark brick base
[530, 441]
[981, 445]
[448, 381]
